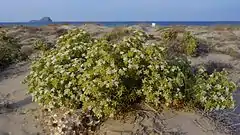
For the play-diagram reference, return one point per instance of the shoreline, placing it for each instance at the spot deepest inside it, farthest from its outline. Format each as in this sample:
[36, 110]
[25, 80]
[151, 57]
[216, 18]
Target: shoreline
[126, 23]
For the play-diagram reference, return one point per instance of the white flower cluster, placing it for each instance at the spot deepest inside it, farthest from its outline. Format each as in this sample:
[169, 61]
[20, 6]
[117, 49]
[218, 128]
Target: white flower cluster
[214, 91]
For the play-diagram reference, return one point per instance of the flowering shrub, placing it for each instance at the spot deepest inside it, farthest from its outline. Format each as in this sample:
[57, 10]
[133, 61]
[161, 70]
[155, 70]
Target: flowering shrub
[53, 79]
[213, 91]
[105, 77]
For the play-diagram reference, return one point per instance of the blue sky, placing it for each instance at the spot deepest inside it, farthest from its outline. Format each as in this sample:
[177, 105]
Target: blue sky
[121, 10]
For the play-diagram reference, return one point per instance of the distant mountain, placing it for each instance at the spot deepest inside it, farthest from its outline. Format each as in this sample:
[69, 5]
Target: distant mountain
[44, 19]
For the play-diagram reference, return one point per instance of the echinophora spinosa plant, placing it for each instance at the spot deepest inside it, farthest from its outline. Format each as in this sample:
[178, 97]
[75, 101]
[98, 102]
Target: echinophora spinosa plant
[83, 72]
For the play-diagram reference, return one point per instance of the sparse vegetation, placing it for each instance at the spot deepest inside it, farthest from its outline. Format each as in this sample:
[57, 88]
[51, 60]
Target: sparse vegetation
[9, 51]
[231, 52]
[117, 34]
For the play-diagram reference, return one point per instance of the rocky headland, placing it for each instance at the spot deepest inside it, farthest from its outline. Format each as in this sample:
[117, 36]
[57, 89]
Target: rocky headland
[42, 20]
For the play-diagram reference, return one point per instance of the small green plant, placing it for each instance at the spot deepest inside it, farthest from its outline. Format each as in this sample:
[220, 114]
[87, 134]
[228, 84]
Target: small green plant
[105, 77]
[170, 35]
[189, 44]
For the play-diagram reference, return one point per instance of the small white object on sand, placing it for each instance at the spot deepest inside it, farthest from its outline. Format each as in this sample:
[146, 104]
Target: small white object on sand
[153, 24]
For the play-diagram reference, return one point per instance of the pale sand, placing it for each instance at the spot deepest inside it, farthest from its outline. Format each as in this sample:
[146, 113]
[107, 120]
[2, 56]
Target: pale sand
[18, 118]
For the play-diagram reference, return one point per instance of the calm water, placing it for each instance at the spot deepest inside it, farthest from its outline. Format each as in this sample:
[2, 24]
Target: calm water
[111, 24]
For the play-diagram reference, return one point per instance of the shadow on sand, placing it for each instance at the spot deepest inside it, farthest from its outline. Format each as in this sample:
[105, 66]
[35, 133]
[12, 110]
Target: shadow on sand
[7, 107]
[14, 70]
[21, 103]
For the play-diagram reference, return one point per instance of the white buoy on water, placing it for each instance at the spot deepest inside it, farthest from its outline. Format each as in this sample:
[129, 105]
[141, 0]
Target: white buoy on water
[153, 24]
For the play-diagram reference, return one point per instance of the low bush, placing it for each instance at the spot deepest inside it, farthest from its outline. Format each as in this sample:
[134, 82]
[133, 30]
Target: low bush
[169, 35]
[187, 44]
[9, 50]
[87, 73]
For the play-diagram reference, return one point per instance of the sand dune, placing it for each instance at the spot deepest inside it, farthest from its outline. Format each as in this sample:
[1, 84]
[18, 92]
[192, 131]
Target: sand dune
[17, 111]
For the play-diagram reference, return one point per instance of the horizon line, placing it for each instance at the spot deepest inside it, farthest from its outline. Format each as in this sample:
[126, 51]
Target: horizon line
[118, 21]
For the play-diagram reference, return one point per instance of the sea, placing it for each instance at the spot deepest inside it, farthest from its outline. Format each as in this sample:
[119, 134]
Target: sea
[126, 23]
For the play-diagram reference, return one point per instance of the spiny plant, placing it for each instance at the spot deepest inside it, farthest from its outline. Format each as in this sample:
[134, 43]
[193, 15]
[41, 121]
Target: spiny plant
[105, 77]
